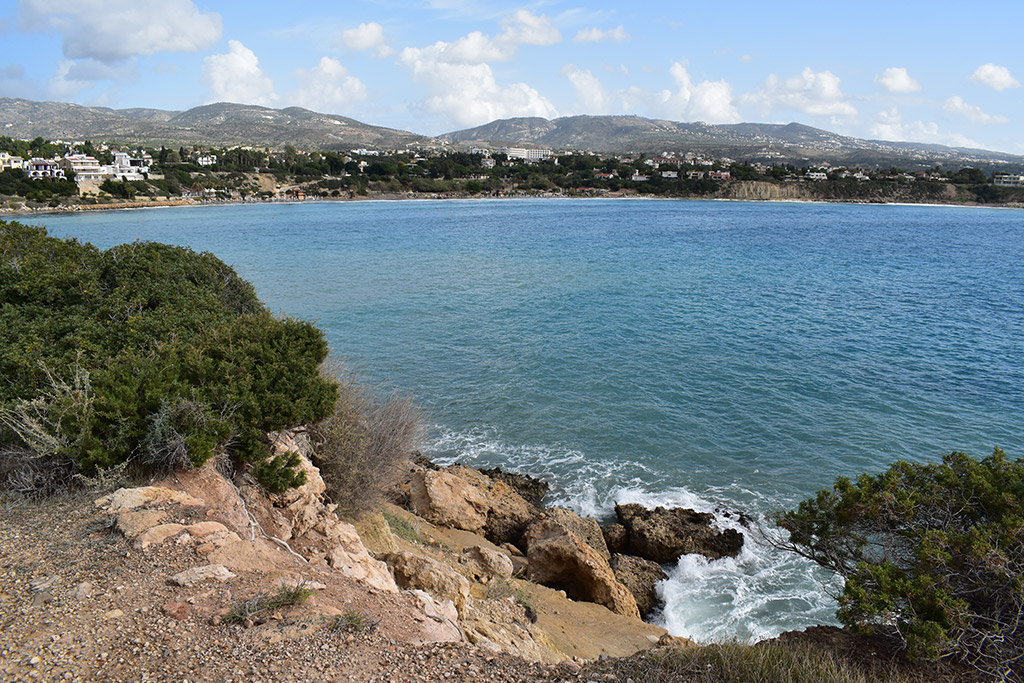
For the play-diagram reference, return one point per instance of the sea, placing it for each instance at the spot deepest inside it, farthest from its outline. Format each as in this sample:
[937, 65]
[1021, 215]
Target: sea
[729, 357]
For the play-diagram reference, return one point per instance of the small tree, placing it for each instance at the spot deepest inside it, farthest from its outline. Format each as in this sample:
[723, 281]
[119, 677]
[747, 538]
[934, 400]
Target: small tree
[932, 553]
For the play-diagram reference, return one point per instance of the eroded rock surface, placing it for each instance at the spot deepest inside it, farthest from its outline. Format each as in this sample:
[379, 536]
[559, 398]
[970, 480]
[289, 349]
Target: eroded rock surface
[665, 534]
[641, 577]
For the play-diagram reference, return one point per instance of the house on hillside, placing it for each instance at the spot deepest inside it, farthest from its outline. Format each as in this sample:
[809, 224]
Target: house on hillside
[37, 169]
[7, 161]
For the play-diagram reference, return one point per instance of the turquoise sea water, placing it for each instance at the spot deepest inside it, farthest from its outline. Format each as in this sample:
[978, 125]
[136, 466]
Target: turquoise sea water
[732, 356]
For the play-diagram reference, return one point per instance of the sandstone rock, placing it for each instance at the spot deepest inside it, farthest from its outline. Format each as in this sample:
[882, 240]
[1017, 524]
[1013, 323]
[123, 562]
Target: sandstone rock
[585, 528]
[218, 494]
[157, 535]
[531, 489]
[641, 577]
[349, 556]
[508, 514]
[298, 442]
[438, 623]
[190, 577]
[486, 564]
[204, 529]
[82, 591]
[561, 559]
[376, 534]
[443, 498]
[440, 580]
[664, 534]
[616, 538]
[132, 523]
[144, 496]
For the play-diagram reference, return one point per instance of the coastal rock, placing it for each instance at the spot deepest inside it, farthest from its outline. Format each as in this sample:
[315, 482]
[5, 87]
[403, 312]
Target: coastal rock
[486, 564]
[641, 577]
[664, 534]
[531, 489]
[349, 556]
[144, 496]
[559, 558]
[190, 577]
[414, 571]
[508, 516]
[584, 528]
[445, 499]
[376, 534]
[615, 538]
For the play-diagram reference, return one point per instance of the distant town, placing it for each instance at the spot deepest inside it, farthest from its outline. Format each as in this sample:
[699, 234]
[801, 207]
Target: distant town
[44, 175]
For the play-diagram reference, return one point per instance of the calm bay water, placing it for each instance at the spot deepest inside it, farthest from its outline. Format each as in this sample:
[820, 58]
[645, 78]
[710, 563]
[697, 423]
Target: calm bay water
[716, 355]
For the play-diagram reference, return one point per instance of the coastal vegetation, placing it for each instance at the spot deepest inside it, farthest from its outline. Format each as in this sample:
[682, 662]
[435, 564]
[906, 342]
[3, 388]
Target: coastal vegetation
[143, 354]
[931, 555]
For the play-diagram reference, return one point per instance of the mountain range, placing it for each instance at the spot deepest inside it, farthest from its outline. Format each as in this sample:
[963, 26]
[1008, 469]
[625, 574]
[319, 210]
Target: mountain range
[226, 124]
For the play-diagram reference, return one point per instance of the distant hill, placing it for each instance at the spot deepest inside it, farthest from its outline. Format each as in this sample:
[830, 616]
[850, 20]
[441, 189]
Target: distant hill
[219, 124]
[225, 124]
[771, 143]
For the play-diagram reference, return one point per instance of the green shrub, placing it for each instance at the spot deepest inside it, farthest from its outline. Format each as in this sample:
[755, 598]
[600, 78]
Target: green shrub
[181, 358]
[932, 553]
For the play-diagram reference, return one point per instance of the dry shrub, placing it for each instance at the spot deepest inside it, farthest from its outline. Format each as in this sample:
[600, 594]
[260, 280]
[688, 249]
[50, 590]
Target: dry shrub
[361, 447]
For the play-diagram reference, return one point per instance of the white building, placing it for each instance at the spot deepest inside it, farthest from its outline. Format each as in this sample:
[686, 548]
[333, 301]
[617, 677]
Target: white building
[1008, 180]
[86, 168]
[206, 159]
[525, 154]
[817, 175]
[7, 161]
[36, 169]
[131, 168]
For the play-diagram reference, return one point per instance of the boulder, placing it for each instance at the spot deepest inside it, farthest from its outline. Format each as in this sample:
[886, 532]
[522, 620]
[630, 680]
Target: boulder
[445, 499]
[559, 558]
[641, 577]
[348, 555]
[508, 515]
[615, 538]
[664, 534]
[486, 564]
[144, 496]
[531, 489]
[414, 571]
[585, 528]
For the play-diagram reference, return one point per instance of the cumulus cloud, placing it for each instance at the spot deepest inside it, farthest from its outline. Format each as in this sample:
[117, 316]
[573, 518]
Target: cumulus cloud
[327, 87]
[897, 80]
[811, 92]
[591, 94]
[367, 37]
[709, 101]
[460, 81]
[889, 125]
[596, 35]
[237, 77]
[971, 112]
[997, 77]
[115, 30]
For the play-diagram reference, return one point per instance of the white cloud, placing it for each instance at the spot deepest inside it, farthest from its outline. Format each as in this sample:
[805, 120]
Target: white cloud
[997, 77]
[589, 91]
[889, 126]
[237, 77]
[708, 101]
[14, 84]
[897, 80]
[972, 112]
[596, 35]
[469, 94]
[367, 37]
[327, 87]
[460, 82]
[114, 30]
[747, 59]
[814, 93]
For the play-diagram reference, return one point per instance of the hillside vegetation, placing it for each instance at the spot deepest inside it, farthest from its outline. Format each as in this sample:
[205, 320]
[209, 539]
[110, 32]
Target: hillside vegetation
[146, 354]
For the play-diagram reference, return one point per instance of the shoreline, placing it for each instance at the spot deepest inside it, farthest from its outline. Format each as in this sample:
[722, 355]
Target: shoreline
[184, 203]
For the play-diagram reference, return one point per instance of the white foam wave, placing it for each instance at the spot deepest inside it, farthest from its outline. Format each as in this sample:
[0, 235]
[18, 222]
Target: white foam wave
[757, 595]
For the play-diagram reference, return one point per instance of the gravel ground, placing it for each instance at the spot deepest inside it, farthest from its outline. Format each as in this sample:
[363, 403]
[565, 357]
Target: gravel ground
[79, 603]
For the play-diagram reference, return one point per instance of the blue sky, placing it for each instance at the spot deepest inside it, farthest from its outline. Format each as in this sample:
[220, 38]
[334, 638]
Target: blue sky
[904, 70]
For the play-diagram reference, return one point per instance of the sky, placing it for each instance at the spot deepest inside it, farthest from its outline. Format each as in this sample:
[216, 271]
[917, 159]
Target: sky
[936, 72]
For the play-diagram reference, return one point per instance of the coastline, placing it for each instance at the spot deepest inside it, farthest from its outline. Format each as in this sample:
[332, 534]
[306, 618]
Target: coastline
[182, 203]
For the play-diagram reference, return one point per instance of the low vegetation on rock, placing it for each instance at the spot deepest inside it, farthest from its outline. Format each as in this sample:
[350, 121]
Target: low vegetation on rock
[932, 555]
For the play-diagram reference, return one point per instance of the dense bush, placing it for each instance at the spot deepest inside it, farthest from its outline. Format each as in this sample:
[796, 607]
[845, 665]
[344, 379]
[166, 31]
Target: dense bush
[148, 353]
[932, 553]
[361, 446]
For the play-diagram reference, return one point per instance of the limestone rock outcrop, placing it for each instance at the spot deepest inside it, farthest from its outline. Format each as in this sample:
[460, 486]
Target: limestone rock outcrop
[641, 577]
[665, 534]
[415, 571]
[559, 558]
